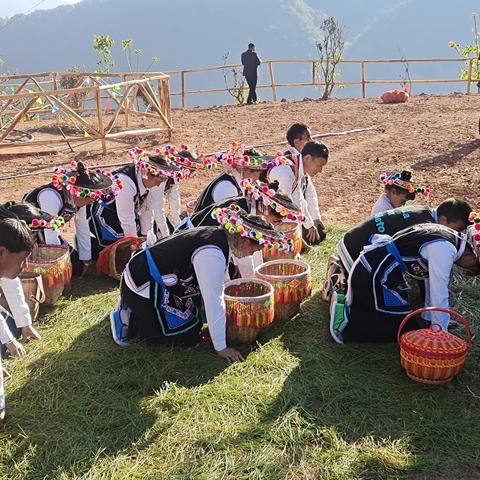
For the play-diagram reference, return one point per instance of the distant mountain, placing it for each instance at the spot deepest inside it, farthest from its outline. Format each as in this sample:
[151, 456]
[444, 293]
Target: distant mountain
[196, 33]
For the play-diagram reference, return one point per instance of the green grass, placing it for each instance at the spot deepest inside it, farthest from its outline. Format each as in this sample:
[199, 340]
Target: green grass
[300, 407]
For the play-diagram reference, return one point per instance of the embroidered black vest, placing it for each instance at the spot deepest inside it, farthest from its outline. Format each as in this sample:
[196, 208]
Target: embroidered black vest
[173, 256]
[386, 223]
[68, 208]
[206, 198]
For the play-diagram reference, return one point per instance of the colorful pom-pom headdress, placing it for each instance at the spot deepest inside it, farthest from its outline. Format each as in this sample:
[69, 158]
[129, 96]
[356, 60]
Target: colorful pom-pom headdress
[261, 192]
[34, 218]
[403, 180]
[156, 165]
[233, 220]
[473, 233]
[237, 156]
[80, 182]
[185, 158]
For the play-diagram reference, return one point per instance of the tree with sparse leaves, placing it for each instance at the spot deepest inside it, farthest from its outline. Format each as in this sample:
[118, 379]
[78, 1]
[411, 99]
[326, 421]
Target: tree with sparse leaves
[330, 50]
[471, 53]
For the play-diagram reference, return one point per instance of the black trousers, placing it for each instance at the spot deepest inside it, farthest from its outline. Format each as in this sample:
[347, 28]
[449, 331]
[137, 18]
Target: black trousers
[144, 324]
[252, 85]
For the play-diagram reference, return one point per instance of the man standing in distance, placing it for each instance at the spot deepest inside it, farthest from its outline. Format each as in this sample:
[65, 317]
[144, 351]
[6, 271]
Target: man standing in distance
[250, 62]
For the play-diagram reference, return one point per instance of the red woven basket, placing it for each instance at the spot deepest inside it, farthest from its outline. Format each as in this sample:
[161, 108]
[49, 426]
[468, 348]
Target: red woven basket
[431, 355]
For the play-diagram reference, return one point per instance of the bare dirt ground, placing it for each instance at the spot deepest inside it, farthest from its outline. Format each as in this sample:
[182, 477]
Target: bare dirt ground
[434, 136]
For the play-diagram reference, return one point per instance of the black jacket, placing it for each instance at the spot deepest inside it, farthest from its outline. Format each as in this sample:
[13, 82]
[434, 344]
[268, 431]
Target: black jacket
[250, 62]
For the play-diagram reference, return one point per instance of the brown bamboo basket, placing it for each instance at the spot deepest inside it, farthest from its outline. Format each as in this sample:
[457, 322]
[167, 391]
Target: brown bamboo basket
[293, 231]
[249, 308]
[53, 263]
[292, 284]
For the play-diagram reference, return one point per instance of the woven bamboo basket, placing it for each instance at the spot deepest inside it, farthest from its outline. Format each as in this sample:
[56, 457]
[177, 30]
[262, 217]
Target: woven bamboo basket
[293, 231]
[33, 290]
[431, 355]
[53, 263]
[114, 258]
[249, 307]
[292, 284]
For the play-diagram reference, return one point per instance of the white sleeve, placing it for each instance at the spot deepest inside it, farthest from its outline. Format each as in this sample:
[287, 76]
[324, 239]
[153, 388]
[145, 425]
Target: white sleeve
[13, 292]
[5, 333]
[381, 205]
[82, 235]
[286, 182]
[210, 265]
[49, 201]
[156, 205]
[223, 190]
[175, 202]
[312, 200]
[440, 256]
[125, 204]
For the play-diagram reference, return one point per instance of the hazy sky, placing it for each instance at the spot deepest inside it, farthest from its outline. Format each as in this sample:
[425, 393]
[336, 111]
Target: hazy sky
[12, 7]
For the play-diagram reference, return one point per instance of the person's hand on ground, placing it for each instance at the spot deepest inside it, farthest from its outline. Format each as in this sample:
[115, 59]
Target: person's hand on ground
[15, 349]
[312, 235]
[319, 224]
[231, 355]
[29, 333]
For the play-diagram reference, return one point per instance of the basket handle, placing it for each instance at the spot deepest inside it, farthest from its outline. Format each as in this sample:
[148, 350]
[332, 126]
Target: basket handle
[41, 289]
[453, 313]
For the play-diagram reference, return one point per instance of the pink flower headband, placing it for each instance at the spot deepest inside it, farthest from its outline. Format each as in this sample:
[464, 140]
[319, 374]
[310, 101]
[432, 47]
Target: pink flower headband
[141, 160]
[396, 179]
[261, 192]
[231, 220]
[67, 178]
[39, 223]
[236, 157]
[199, 160]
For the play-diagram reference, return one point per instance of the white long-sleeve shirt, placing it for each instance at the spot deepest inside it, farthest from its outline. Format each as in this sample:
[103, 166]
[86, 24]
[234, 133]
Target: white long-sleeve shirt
[50, 201]
[440, 256]
[13, 293]
[311, 195]
[293, 186]
[174, 202]
[151, 209]
[211, 272]
[381, 205]
[225, 189]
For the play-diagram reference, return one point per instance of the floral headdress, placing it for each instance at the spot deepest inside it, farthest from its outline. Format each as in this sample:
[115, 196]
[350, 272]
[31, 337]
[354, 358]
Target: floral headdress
[156, 165]
[260, 191]
[34, 218]
[474, 232]
[402, 180]
[39, 223]
[79, 182]
[239, 156]
[230, 218]
[185, 158]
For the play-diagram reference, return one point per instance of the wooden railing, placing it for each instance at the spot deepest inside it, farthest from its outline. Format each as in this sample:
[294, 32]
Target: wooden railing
[38, 94]
[363, 81]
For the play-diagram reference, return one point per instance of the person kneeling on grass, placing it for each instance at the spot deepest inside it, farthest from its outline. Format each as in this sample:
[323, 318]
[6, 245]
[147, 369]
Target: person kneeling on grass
[379, 285]
[163, 286]
[294, 180]
[398, 190]
[16, 244]
[452, 213]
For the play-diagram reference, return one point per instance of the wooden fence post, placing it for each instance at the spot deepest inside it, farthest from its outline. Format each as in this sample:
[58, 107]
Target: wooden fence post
[272, 82]
[100, 120]
[314, 72]
[469, 77]
[364, 86]
[183, 89]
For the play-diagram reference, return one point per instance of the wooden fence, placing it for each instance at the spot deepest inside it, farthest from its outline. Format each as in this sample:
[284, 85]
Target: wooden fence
[313, 81]
[85, 105]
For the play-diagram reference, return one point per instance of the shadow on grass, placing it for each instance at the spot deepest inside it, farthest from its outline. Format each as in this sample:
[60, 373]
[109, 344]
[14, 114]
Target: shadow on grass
[63, 417]
[449, 158]
[360, 393]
